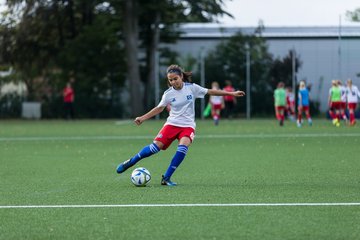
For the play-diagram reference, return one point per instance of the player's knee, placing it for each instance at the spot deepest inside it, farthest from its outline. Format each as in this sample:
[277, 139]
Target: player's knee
[159, 144]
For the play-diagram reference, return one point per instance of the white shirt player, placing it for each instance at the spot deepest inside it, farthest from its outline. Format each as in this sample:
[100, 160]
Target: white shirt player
[182, 103]
[343, 93]
[352, 94]
[216, 100]
[290, 96]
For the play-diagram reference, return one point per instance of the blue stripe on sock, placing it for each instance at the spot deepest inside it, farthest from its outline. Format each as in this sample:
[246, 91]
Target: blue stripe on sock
[176, 161]
[154, 148]
[145, 152]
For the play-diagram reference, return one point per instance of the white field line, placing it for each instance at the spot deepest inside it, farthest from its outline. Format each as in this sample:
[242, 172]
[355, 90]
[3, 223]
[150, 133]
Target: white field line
[218, 136]
[186, 205]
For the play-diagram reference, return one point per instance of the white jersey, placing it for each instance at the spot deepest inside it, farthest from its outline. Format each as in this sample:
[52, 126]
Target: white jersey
[182, 104]
[352, 94]
[216, 100]
[343, 93]
[290, 97]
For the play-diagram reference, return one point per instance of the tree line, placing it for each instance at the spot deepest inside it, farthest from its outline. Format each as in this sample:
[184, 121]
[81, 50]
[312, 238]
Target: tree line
[102, 44]
[109, 48]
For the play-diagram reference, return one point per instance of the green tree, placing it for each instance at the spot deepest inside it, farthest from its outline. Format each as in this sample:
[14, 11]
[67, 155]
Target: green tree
[228, 62]
[281, 69]
[150, 19]
[29, 44]
[94, 41]
[47, 41]
[354, 15]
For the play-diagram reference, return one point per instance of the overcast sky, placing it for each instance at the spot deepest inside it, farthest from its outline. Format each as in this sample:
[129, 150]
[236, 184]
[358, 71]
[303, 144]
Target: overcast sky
[289, 12]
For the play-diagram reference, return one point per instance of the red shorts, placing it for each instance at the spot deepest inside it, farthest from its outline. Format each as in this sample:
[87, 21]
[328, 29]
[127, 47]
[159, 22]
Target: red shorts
[291, 105]
[335, 105]
[303, 108]
[216, 106]
[279, 108]
[169, 133]
[352, 106]
[343, 105]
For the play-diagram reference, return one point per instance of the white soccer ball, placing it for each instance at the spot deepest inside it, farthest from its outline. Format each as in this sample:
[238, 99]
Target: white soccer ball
[140, 177]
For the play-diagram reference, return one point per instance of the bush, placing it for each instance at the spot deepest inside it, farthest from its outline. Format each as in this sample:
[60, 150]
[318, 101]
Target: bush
[10, 105]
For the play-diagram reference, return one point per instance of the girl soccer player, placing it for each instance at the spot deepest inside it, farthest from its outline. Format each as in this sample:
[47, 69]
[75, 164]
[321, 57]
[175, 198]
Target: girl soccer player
[280, 102]
[179, 125]
[343, 101]
[217, 103]
[335, 102]
[290, 103]
[352, 94]
[303, 104]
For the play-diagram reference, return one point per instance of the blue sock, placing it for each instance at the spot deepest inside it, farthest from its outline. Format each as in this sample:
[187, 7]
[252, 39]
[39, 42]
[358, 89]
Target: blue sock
[176, 161]
[145, 152]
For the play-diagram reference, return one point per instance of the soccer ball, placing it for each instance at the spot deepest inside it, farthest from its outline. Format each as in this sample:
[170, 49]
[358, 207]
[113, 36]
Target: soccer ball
[140, 177]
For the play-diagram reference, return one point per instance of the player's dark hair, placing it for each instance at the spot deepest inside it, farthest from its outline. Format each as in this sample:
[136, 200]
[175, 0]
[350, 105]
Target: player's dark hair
[179, 71]
[280, 85]
[228, 82]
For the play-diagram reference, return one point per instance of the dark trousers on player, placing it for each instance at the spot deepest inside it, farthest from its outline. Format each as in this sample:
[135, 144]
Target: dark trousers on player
[229, 109]
[69, 110]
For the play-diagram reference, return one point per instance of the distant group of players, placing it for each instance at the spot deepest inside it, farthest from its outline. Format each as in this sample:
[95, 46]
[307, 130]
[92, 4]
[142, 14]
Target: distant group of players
[284, 102]
[218, 103]
[341, 98]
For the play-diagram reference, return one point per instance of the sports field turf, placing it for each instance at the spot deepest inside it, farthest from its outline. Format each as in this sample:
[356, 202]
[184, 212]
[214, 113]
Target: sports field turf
[240, 180]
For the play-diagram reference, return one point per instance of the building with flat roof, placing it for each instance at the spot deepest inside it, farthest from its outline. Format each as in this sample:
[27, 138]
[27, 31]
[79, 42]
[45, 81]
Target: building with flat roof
[326, 53]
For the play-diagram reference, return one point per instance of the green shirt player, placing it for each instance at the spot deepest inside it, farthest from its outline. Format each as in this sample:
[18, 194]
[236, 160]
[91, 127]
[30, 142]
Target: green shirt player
[280, 102]
[335, 102]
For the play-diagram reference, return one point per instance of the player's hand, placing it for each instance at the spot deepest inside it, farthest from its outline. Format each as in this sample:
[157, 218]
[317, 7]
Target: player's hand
[239, 93]
[138, 120]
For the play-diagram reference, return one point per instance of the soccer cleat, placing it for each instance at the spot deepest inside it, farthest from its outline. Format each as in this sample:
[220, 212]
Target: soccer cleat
[298, 123]
[310, 122]
[335, 121]
[352, 123]
[123, 166]
[166, 181]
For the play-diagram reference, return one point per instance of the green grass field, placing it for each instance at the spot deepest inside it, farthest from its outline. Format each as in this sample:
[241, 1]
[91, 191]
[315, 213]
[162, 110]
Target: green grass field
[70, 168]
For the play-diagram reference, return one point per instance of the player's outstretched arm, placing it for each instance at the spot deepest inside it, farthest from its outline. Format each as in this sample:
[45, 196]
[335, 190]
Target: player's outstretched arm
[153, 112]
[217, 92]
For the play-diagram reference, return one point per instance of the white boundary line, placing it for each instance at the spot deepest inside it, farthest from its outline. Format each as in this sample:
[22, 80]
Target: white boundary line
[221, 136]
[185, 205]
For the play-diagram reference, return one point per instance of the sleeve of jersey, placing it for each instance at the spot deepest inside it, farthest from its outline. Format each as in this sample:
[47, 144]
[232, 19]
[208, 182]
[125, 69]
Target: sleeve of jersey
[357, 91]
[199, 92]
[163, 101]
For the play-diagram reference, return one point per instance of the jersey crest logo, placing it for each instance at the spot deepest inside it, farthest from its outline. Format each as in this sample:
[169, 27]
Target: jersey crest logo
[173, 100]
[189, 97]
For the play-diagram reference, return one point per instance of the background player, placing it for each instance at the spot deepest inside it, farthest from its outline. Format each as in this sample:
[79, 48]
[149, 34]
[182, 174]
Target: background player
[303, 104]
[230, 101]
[217, 103]
[352, 94]
[290, 104]
[280, 102]
[343, 101]
[335, 102]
